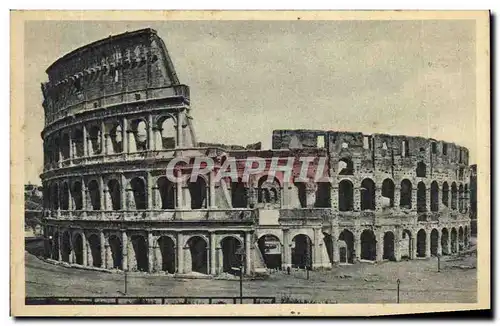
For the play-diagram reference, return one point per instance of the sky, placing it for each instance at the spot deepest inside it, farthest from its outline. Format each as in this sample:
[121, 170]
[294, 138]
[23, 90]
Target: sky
[248, 78]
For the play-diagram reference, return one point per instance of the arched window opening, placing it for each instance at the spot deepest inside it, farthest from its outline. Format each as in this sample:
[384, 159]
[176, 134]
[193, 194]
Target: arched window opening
[116, 137]
[141, 252]
[114, 189]
[454, 196]
[301, 192]
[66, 247]
[167, 251]
[367, 194]
[168, 133]
[406, 194]
[302, 251]
[270, 248]
[421, 170]
[231, 260]
[434, 242]
[389, 246]
[445, 242]
[95, 250]
[115, 245]
[78, 146]
[421, 198]
[323, 195]
[368, 245]
[346, 251]
[434, 196]
[198, 191]
[345, 167]
[198, 258]
[65, 144]
[139, 193]
[54, 196]
[346, 196]
[445, 198]
[78, 249]
[95, 140]
[461, 198]
[421, 243]
[239, 194]
[167, 193]
[95, 195]
[388, 192]
[406, 244]
[140, 132]
[65, 197]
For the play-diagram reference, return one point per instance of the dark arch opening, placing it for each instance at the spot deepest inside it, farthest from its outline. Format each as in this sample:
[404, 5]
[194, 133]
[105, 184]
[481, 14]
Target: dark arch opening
[115, 194]
[346, 254]
[270, 248]
[167, 250]
[198, 250]
[445, 197]
[406, 189]
[115, 245]
[95, 195]
[140, 247]
[388, 191]
[55, 248]
[167, 193]
[65, 197]
[95, 250]
[198, 191]
[389, 246]
[301, 192]
[139, 191]
[345, 196]
[66, 247]
[421, 243]
[346, 167]
[368, 245]
[453, 241]
[239, 194]
[367, 194]
[421, 198]
[76, 194]
[421, 170]
[302, 252]
[460, 239]
[434, 242]
[434, 196]
[323, 195]
[406, 245]
[454, 196]
[78, 248]
[444, 241]
[230, 259]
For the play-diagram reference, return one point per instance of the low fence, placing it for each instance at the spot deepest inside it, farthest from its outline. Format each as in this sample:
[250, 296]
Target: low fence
[146, 300]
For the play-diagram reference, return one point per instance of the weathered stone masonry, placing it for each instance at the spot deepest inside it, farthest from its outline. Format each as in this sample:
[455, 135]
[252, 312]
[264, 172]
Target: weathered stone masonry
[116, 115]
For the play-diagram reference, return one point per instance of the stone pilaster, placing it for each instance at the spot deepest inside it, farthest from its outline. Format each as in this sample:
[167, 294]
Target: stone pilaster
[151, 251]
[124, 250]
[248, 253]
[287, 250]
[104, 247]
[180, 253]
[212, 254]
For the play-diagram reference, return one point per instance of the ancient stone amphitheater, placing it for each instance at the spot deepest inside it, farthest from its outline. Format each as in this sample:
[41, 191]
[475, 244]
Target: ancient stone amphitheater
[116, 114]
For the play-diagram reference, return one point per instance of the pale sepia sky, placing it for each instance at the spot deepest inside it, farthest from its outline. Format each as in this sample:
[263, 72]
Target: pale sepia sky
[248, 78]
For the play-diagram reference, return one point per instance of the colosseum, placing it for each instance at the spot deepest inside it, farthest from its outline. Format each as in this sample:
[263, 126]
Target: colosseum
[116, 115]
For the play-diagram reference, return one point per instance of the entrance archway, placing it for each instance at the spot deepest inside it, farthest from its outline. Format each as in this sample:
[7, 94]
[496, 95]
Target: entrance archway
[66, 247]
[389, 246]
[406, 245]
[434, 242]
[460, 239]
[95, 250]
[78, 248]
[115, 245]
[141, 252]
[230, 258]
[199, 258]
[421, 243]
[55, 248]
[270, 248]
[445, 242]
[453, 241]
[368, 245]
[302, 251]
[346, 254]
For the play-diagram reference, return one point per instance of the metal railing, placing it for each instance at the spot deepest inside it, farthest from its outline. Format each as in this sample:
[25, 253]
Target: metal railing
[163, 300]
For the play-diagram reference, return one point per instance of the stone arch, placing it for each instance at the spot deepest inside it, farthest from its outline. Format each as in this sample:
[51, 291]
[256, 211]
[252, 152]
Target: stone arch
[78, 248]
[140, 247]
[167, 254]
[270, 247]
[434, 196]
[77, 195]
[388, 191]
[65, 144]
[55, 246]
[406, 194]
[230, 259]
[115, 190]
[367, 194]
[95, 250]
[329, 244]
[66, 247]
[454, 196]
[167, 192]
[406, 244]
[421, 243]
[77, 138]
[115, 244]
[445, 242]
[239, 194]
[198, 258]
[115, 137]
[65, 196]
[323, 195]
[139, 129]
[348, 238]
[434, 242]
[421, 197]
[198, 192]
[368, 245]
[453, 240]
[95, 195]
[461, 198]
[421, 170]
[346, 196]
[138, 188]
[389, 246]
[345, 166]
[54, 196]
[302, 193]
[94, 135]
[445, 196]
[301, 251]
[166, 132]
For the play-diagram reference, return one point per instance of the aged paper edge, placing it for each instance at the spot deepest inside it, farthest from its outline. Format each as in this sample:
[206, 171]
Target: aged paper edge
[17, 282]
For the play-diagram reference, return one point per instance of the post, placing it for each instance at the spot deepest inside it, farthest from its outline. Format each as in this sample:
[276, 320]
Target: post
[398, 281]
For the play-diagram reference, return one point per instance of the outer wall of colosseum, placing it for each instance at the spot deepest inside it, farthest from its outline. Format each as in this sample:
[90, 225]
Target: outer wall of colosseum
[116, 115]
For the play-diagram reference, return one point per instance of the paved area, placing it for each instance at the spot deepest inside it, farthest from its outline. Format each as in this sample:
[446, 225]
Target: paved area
[359, 283]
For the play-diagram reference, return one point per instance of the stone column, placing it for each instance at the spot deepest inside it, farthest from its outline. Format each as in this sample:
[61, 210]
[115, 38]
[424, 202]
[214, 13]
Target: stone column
[59, 254]
[180, 121]
[317, 247]
[397, 244]
[211, 195]
[84, 249]
[414, 197]
[70, 140]
[310, 194]
[357, 244]
[151, 251]
[378, 198]
[439, 246]
[180, 253]
[158, 142]
[248, 253]
[414, 245]
[212, 254]
[151, 143]
[357, 198]
[85, 144]
[397, 195]
[179, 203]
[149, 187]
[123, 192]
[334, 197]
[104, 248]
[287, 251]
[428, 195]
[103, 139]
[335, 247]
[427, 243]
[124, 250]
[125, 139]
[380, 245]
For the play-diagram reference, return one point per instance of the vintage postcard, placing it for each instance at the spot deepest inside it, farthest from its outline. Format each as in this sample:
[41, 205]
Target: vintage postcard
[281, 163]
